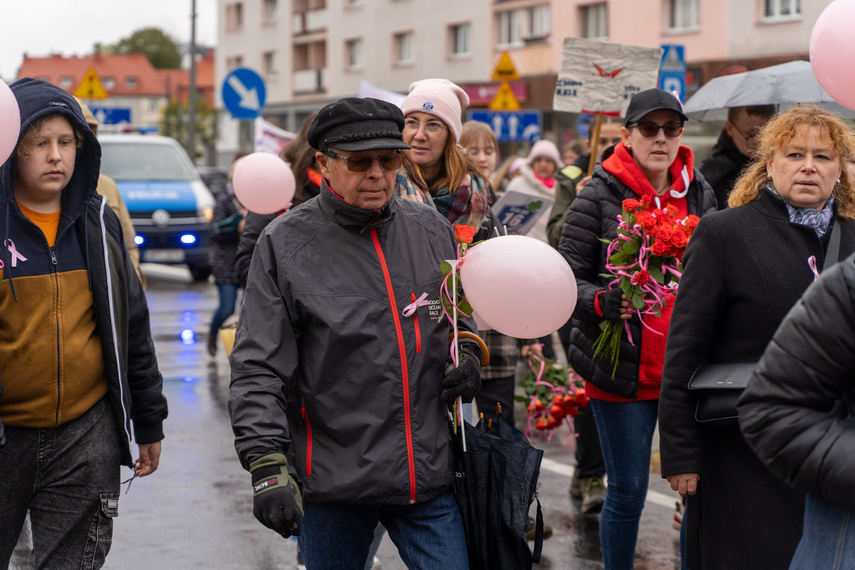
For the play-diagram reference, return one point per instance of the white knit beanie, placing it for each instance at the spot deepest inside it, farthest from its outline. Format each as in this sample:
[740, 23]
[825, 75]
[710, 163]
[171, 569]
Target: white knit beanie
[439, 97]
[546, 149]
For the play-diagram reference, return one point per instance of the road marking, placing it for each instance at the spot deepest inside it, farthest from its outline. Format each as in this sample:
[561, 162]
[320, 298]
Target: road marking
[559, 468]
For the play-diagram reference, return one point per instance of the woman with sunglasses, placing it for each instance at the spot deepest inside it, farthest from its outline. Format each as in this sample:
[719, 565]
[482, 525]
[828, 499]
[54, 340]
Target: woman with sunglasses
[649, 162]
[744, 269]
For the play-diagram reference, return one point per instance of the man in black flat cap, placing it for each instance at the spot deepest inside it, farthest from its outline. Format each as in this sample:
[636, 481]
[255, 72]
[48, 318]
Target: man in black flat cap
[340, 358]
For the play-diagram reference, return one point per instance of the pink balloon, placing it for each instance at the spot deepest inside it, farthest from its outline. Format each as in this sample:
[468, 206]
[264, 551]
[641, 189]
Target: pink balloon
[481, 323]
[519, 285]
[263, 183]
[10, 122]
[832, 51]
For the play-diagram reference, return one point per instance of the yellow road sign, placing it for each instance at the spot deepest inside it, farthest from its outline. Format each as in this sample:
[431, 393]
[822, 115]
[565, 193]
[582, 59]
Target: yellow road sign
[505, 70]
[505, 100]
[90, 87]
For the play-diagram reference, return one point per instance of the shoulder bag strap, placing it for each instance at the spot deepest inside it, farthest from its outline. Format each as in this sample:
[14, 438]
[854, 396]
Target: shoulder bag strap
[833, 251]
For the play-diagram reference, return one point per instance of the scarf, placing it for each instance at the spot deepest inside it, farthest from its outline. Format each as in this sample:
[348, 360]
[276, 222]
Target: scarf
[818, 220]
[467, 205]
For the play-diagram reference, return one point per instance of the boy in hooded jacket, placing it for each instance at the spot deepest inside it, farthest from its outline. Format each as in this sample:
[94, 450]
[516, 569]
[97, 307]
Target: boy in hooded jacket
[76, 356]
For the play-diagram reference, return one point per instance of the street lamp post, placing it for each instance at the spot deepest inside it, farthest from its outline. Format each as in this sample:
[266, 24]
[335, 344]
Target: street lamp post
[191, 101]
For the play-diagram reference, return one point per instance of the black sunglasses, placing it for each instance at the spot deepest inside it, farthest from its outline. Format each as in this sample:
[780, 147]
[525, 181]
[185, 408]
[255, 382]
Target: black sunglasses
[649, 129]
[388, 162]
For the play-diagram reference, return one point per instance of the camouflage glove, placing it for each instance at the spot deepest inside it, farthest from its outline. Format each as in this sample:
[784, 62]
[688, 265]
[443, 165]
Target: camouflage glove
[276, 500]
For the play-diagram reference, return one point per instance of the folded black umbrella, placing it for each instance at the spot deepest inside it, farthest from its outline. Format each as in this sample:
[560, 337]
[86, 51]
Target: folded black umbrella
[495, 484]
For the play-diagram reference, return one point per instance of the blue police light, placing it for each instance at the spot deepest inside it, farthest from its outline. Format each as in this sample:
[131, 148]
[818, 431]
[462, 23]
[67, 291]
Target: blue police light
[189, 378]
[188, 239]
[188, 336]
[138, 239]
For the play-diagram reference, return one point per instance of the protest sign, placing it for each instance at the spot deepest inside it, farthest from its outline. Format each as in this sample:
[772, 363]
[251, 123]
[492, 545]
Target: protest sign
[269, 137]
[518, 212]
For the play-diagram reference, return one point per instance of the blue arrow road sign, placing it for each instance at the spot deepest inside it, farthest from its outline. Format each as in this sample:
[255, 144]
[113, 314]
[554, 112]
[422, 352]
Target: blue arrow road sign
[672, 70]
[511, 126]
[244, 93]
[112, 115]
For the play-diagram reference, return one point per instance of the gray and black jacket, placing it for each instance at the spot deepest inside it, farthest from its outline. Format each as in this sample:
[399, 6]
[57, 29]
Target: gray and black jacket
[328, 370]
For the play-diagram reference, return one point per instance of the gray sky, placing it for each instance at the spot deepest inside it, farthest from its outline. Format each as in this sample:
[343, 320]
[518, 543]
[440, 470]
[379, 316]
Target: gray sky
[71, 27]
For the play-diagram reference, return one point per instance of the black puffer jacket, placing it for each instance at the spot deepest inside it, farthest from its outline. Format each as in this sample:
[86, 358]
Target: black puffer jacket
[592, 216]
[789, 412]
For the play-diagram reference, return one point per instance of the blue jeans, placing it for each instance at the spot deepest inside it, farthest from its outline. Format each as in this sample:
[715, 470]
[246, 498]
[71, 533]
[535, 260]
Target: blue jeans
[428, 535]
[828, 539]
[68, 478]
[228, 297]
[626, 435]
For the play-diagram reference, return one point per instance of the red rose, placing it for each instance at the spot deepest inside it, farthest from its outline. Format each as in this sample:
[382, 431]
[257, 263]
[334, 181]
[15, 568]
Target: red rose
[630, 205]
[647, 220]
[463, 233]
[640, 278]
[665, 233]
[691, 222]
[659, 248]
[679, 239]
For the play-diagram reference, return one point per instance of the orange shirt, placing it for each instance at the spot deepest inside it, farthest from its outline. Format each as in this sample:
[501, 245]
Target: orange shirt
[48, 223]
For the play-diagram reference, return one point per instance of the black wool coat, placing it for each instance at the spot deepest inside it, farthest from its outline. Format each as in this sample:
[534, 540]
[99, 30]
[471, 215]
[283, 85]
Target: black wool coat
[593, 215]
[794, 412]
[743, 271]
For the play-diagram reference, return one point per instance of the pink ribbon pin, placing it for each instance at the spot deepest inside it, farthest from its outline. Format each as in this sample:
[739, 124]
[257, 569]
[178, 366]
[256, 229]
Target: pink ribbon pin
[411, 308]
[812, 265]
[10, 245]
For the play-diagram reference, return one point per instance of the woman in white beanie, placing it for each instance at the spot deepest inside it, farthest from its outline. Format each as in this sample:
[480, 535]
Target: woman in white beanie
[440, 173]
[537, 177]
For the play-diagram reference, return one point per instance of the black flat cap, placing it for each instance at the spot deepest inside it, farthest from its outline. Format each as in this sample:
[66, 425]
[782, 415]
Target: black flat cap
[355, 124]
[652, 100]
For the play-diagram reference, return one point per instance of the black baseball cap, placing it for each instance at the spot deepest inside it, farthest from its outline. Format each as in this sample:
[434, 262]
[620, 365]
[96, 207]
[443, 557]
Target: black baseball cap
[355, 124]
[652, 100]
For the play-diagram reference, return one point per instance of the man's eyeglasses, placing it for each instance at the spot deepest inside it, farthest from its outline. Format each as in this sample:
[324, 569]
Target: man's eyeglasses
[432, 128]
[649, 129]
[750, 138]
[388, 162]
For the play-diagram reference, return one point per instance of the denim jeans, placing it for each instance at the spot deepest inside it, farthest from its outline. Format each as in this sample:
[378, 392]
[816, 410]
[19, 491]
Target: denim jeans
[626, 435]
[228, 298]
[68, 478]
[428, 535]
[828, 539]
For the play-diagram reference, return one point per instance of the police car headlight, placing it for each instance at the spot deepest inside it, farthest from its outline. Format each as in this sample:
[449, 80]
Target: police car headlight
[208, 213]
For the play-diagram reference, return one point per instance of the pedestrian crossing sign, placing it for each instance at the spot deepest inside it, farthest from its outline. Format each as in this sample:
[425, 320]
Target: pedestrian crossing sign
[90, 87]
[505, 70]
[505, 100]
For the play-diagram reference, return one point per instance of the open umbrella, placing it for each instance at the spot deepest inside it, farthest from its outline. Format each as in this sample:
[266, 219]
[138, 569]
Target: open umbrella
[784, 85]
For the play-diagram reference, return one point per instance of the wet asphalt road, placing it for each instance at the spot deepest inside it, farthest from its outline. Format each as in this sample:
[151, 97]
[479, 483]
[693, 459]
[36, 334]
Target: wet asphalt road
[196, 510]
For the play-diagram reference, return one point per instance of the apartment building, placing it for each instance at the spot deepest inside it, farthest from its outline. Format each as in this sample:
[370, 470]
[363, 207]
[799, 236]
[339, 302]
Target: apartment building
[312, 52]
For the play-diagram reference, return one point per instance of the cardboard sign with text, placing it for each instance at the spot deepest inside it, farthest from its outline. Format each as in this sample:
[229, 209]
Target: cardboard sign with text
[601, 77]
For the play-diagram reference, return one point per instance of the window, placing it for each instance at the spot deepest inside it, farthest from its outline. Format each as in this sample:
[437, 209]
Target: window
[234, 16]
[353, 52]
[538, 22]
[595, 24]
[131, 82]
[234, 61]
[460, 40]
[66, 81]
[510, 27]
[404, 47]
[109, 83]
[269, 64]
[683, 14]
[782, 8]
[270, 11]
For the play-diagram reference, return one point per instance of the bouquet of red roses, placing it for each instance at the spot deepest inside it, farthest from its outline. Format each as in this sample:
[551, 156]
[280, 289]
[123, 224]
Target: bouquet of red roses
[552, 393]
[643, 260]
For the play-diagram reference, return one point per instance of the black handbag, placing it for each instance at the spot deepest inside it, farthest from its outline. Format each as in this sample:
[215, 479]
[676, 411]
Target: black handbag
[717, 388]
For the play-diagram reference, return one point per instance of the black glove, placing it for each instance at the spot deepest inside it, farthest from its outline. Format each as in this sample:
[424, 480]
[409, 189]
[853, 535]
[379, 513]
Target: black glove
[465, 380]
[276, 500]
[610, 304]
